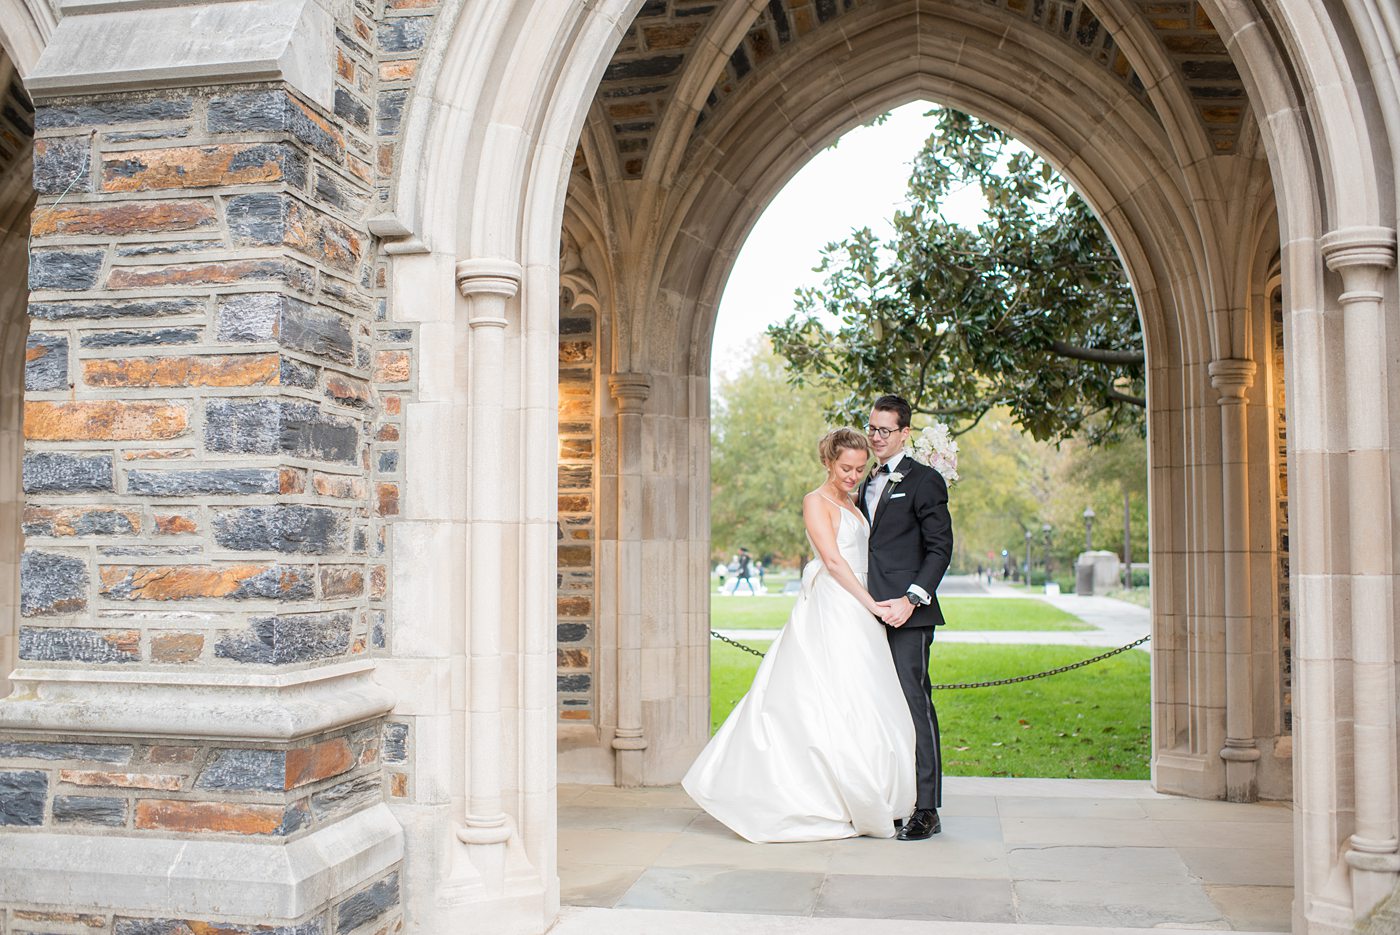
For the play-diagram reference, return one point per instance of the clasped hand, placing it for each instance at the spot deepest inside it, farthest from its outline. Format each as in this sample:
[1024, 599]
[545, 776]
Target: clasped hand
[895, 613]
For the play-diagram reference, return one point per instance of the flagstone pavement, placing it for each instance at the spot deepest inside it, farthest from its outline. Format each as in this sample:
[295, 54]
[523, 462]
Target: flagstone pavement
[1015, 856]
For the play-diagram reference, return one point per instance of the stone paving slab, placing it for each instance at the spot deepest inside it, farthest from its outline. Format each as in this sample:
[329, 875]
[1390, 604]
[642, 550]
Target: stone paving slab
[903, 897]
[1105, 903]
[1073, 864]
[1080, 855]
[1261, 908]
[722, 889]
[593, 921]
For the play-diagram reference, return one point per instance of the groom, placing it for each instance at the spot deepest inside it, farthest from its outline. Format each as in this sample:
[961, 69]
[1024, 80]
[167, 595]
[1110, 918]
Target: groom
[911, 543]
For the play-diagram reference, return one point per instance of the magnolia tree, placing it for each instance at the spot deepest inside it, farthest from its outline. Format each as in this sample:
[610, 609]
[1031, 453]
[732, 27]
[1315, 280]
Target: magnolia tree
[1028, 311]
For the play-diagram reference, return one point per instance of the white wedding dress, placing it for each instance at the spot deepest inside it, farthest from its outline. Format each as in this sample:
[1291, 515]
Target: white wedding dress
[822, 746]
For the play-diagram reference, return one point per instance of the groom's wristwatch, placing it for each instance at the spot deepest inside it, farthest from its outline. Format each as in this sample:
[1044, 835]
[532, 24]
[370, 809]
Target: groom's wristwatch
[915, 599]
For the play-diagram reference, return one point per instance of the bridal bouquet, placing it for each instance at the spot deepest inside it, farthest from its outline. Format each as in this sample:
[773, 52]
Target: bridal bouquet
[934, 446]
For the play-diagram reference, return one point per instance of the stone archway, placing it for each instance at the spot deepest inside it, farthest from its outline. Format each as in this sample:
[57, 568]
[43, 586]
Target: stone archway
[381, 190]
[668, 237]
[515, 136]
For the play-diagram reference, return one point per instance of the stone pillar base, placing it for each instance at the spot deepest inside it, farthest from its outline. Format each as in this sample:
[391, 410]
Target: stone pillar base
[254, 880]
[1194, 775]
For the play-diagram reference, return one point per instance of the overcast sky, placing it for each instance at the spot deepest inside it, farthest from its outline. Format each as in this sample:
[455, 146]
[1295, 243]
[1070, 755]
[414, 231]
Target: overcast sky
[859, 183]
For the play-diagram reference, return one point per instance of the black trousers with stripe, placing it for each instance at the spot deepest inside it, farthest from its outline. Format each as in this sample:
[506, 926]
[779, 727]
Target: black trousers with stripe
[910, 648]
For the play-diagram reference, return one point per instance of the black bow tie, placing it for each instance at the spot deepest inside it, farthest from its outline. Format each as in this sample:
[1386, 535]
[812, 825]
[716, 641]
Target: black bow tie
[883, 469]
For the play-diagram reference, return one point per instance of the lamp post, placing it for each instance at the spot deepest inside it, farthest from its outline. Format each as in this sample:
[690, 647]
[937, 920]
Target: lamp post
[1045, 548]
[1088, 529]
[1028, 557]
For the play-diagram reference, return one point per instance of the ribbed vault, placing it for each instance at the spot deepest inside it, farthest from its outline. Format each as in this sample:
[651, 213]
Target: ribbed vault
[730, 43]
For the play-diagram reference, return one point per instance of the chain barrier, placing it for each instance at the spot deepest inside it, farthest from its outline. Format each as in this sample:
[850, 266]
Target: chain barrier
[991, 684]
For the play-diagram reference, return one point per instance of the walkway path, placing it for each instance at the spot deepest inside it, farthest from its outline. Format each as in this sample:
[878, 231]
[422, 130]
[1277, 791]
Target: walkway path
[1095, 856]
[1116, 623]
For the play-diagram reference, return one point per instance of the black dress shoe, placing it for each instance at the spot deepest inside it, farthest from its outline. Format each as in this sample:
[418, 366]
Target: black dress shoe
[922, 824]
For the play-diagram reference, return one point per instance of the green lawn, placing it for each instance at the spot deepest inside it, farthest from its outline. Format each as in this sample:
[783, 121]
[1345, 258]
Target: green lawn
[1088, 724]
[962, 613]
[768, 612]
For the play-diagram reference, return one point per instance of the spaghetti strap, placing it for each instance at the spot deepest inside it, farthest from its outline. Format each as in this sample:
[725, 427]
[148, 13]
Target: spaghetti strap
[852, 510]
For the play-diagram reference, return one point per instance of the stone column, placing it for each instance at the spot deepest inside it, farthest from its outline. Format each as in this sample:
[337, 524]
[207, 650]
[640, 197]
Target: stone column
[630, 390]
[197, 739]
[487, 285]
[1362, 255]
[1232, 378]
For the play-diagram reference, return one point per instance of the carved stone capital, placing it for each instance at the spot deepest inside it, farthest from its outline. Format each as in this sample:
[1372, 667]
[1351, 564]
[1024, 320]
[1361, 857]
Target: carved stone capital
[1232, 376]
[1360, 255]
[494, 277]
[630, 390]
[488, 284]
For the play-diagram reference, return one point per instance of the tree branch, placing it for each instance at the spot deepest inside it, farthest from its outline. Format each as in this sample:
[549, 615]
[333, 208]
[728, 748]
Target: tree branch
[1118, 397]
[1097, 356]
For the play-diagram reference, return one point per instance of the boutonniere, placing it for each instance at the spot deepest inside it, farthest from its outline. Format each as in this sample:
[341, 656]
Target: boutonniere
[896, 477]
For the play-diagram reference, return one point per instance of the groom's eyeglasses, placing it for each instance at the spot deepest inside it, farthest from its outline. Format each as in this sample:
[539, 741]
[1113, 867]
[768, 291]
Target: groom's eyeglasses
[877, 430]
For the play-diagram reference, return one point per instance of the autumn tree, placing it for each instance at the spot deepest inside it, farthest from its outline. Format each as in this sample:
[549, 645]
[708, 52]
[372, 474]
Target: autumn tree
[763, 458]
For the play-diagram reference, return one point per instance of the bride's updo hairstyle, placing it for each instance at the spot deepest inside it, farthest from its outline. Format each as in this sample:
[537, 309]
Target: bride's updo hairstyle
[839, 440]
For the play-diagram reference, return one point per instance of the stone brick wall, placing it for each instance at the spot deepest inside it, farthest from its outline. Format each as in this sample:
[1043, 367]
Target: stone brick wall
[400, 38]
[1285, 598]
[16, 201]
[208, 459]
[143, 788]
[196, 382]
[578, 381]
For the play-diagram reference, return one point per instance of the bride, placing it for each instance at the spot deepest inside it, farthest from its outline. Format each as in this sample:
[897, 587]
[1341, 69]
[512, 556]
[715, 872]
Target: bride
[822, 746]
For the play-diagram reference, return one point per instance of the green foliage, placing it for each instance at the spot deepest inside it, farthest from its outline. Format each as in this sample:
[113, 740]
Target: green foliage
[1029, 311]
[1007, 479]
[763, 460]
[1013, 484]
[1093, 723]
[962, 613]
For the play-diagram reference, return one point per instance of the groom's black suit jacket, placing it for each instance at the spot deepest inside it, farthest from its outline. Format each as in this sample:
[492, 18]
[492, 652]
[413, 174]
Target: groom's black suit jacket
[911, 538]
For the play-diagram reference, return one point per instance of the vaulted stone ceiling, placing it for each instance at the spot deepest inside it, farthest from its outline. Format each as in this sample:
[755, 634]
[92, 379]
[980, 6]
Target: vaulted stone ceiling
[639, 82]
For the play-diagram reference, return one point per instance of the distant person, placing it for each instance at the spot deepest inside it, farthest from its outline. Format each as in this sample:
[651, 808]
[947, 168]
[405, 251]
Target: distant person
[721, 570]
[745, 573]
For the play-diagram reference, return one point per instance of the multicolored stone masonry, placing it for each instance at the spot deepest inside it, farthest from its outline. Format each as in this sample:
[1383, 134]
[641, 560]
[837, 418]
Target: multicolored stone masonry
[578, 538]
[208, 463]
[198, 409]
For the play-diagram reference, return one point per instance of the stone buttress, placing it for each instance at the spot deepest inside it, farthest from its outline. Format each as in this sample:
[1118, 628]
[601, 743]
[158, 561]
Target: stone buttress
[194, 736]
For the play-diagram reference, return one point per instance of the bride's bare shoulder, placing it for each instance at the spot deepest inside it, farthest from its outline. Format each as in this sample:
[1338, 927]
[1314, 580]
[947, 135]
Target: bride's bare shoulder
[818, 500]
